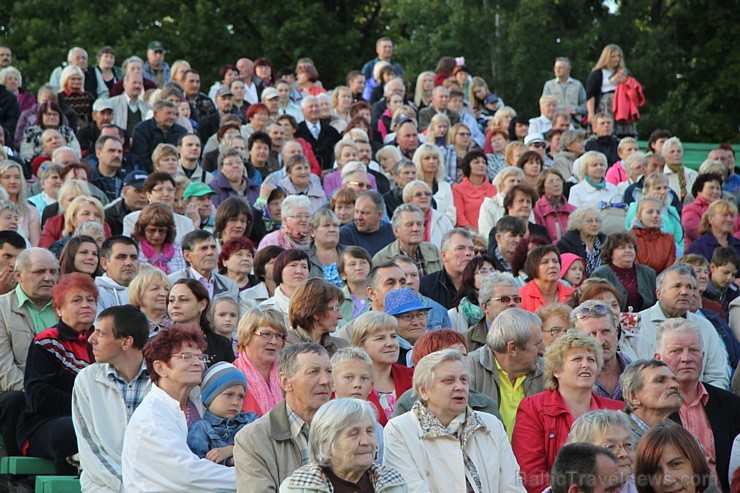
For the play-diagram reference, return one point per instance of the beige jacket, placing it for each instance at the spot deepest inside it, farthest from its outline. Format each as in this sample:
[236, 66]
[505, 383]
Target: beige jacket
[429, 252]
[16, 334]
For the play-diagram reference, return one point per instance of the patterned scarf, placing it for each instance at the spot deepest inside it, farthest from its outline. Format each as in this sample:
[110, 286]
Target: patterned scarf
[432, 428]
[294, 239]
[159, 260]
[593, 258]
[679, 171]
[472, 313]
[266, 396]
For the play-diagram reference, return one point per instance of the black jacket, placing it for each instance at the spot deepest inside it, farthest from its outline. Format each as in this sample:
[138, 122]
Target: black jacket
[438, 286]
[219, 347]
[605, 145]
[147, 136]
[10, 112]
[114, 214]
[571, 242]
[323, 148]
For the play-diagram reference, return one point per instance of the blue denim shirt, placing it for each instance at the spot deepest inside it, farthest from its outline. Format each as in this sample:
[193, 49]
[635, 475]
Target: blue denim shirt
[214, 432]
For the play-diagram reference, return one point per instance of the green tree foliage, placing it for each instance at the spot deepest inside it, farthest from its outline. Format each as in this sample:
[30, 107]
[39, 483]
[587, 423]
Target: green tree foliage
[680, 50]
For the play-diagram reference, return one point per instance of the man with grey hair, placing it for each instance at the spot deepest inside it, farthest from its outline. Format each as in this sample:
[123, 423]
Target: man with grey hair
[456, 251]
[24, 312]
[650, 393]
[408, 227]
[161, 129]
[322, 137]
[129, 109]
[270, 449]
[570, 94]
[675, 285]
[368, 229]
[94, 82]
[201, 255]
[440, 100]
[711, 414]
[498, 292]
[403, 172]
[509, 367]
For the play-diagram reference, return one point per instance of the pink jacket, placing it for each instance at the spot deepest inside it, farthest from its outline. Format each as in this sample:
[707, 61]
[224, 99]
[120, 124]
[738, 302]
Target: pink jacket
[468, 199]
[627, 99]
[546, 216]
[616, 174]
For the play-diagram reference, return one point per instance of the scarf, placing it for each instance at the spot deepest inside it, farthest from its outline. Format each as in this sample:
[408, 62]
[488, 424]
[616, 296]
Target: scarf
[679, 171]
[593, 258]
[472, 313]
[159, 260]
[597, 186]
[428, 225]
[266, 396]
[432, 428]
[300, 241]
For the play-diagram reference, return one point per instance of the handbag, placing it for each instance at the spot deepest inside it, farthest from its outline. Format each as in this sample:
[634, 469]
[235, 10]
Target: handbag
[613, 215]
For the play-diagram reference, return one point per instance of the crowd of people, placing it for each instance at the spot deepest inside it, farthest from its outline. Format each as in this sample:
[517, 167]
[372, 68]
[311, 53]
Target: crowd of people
[386, 286]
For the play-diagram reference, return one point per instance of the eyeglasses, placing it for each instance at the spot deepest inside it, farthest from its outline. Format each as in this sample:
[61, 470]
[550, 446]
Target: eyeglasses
[463, 134]
[267, 335]
[483, 271]
[554, 331]
[360, 184]
[163, 190]
[188, 356]
[151, 230]
[408, 317]
[481, 251]
[421, 195]
[589, 311]
[332, 308]
[614, 447]
[300, 217]
[508, 299]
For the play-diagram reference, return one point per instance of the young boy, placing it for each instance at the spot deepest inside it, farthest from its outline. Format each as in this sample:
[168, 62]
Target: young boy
[724, 267]
[352, 373]
[222, 390]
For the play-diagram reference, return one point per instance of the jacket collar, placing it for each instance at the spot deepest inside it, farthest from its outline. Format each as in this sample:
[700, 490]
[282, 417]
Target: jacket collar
[279, 425]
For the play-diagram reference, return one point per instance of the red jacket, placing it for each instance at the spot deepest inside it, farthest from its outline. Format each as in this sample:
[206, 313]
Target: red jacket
[532, 296]
[54, 230]
[655, 248]
[627, 99]
[402, 378]
[546, 216]
[543, 422]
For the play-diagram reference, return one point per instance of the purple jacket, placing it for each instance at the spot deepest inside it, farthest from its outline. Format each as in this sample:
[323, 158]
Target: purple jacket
[707, 243]
[223, 190]
[333, 181]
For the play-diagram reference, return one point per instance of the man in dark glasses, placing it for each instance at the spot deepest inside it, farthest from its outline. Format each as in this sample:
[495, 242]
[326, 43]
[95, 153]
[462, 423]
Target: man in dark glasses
[498, 292]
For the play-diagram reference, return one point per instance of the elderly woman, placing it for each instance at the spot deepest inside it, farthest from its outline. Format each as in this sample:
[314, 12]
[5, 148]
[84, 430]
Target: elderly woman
[680, 178]
[342, 448]
[655, 248]
[236, 261]
[149, 292]
[592, 187]
[543, 268]
[584, 237]
[165, 159]
[555, 321]
[288, 272]
[611, 430]
[81, 254]
[353, 266]
[232, 181]
[155, 232]
[62, 226]
[49, 115]
[436, 223]
[707, 189]
[346, 152]
[295, 233]
[12, 79]
[50, 183]
[155, 454]
[29, 220]
[428, 161]
[314, 314]
[470, 193]
[716, 228]
[634, 167]
[75, 102]
[543, 421]
[261, 335]
[552, 209]
[656, 185]
[466, 311]
[325, 249]
[300, 181]
[188, 307]
[442, 444]
[669, 458]
[265, 285]
[492, 208]
[55, 357]
[494, 147]
[635, 282]
[377, 333]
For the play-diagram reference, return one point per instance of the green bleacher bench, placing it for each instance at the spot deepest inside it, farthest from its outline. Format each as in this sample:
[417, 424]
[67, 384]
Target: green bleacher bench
[57, 484]
[19, 466]
[694, 153]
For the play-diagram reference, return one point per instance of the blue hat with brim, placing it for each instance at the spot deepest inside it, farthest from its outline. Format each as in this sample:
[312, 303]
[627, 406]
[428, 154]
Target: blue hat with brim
[404, 300]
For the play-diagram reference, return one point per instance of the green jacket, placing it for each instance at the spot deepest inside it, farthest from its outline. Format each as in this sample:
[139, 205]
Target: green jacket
[429, 252]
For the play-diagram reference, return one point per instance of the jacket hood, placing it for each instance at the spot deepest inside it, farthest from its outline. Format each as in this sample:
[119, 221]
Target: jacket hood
[566, 260]
[105, 282]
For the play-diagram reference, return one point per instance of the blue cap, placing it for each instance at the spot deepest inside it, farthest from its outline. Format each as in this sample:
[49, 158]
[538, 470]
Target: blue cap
[402, 301]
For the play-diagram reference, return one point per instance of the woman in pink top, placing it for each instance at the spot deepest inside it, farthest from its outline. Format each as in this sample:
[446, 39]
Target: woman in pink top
[543, 269]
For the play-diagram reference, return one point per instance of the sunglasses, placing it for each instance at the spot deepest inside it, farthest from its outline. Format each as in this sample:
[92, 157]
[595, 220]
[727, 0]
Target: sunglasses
[508, 299]
[595, 310]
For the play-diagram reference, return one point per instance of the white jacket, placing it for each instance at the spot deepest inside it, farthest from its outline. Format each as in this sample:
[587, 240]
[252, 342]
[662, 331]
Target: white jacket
[110, 293]
[436, 464]
[156, 456]
[100, 419]
[440, 225]
[445, 203]
[583, 193]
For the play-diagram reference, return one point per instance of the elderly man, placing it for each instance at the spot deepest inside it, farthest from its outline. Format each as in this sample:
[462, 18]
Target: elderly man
[675, 285]
[650, 393]
[129, 109]
[270, 449]
[161, 129]
[89, 134]
[711, 414]
[605, 141]
[438, 317]
[407, 138]
[119, 258]
[456, 251]
[440, 100]
[108, 176]
[568, 92]
[106, 394]
[368, 229]
[544, 123]
[209, 124]
[320, 136]
[408, 227]
[498, 291]
[251, 83]
[508, 368]
[402, 172]
[24, 312]
[155, 68]
[94, 82]
[582, 467]
[201, 254]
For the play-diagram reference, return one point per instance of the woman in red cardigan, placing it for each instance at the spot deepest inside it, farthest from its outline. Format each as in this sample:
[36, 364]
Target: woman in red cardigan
[542, 267]
[375, 332]
[472, 190]
[543, 421]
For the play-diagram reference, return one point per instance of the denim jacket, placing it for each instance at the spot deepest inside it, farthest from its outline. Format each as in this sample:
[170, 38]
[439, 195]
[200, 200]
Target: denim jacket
[214, 432]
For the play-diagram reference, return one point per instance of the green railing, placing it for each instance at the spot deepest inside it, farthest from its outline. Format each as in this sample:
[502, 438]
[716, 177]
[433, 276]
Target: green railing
[694, 153]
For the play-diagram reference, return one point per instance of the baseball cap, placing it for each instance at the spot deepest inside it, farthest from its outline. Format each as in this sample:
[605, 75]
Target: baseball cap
[156, 46]
[269, 93]
[223, 91]
[490, 98]
[197, 189]
[135, 179]
[102, 104]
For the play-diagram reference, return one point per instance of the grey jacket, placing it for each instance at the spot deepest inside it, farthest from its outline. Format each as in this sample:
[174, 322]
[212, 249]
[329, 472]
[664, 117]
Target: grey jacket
[222, 285]
[110, 293]
[484, 375]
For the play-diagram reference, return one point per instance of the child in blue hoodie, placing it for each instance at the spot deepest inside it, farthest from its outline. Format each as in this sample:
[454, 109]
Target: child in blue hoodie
[223, 389]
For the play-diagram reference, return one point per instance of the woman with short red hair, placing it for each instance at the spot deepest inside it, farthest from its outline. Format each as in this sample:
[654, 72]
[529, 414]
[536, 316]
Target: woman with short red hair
[258, 116]
[236, 261]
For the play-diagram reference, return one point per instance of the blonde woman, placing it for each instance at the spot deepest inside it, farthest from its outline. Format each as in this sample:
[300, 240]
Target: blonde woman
[423, 89]
[79, 210]
[608, 72]
[12, 180]
[341, 100]
[492, 209]
[429, 169]
[502, 118]
[438, 134]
